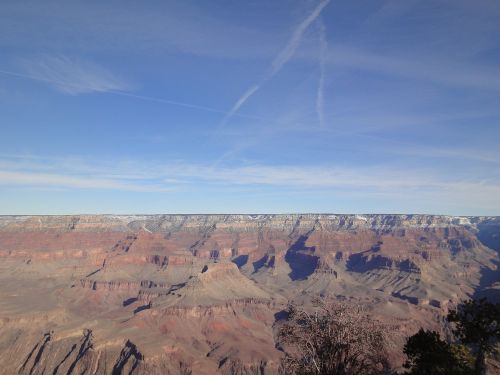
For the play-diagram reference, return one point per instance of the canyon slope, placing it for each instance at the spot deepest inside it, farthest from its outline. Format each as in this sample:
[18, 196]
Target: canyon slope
[205, 294]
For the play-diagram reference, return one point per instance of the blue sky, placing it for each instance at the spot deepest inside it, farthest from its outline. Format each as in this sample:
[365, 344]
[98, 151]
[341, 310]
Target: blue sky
[250, 106]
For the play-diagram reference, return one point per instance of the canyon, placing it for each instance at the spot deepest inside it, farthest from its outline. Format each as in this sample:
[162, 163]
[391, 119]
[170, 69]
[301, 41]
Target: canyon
[205, 294]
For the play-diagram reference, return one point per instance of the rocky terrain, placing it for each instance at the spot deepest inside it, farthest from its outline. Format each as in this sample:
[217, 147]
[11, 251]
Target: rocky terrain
[204, 294]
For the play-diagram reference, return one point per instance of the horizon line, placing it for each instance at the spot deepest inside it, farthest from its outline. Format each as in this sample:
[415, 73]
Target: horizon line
[252, 214]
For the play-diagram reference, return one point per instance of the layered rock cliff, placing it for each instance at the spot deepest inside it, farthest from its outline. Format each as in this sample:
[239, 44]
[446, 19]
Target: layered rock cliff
[203, 293]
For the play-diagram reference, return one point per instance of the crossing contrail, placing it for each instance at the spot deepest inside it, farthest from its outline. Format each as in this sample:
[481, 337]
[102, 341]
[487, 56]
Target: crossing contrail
[129, 95]
[280, 60]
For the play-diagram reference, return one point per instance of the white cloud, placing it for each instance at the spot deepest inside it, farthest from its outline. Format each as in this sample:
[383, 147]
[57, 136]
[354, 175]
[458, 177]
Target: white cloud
[382, 178]
[394, 186]
[73, 76]
[430, 69]
[470, 154]
[154, 177]
[53, 180]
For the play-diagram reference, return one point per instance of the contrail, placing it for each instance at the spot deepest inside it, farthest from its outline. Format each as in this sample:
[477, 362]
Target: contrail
[243, 99]
[130, 95]
[280, 60]
[294, 41]
[323, 52]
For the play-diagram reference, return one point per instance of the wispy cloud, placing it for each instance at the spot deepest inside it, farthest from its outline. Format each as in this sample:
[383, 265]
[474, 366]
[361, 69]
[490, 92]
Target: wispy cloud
[281, 59]
[74, 89]
[35, 171]
[465, 153]
[323, 51]
[384, 178]
[87, 28]
[63, 181]
[73, 76]
[430, 69]
[77, 84]
[134, 175]
[188, 29]
[78, 181]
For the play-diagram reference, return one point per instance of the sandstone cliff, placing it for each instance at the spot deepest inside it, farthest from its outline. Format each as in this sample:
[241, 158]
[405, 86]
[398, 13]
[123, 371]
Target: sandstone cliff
[172, 294]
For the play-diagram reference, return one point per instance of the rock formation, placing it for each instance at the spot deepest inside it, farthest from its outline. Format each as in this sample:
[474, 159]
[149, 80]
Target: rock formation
[202, 294]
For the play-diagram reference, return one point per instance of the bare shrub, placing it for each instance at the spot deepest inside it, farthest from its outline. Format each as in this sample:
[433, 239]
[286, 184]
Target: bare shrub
[334, 339]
